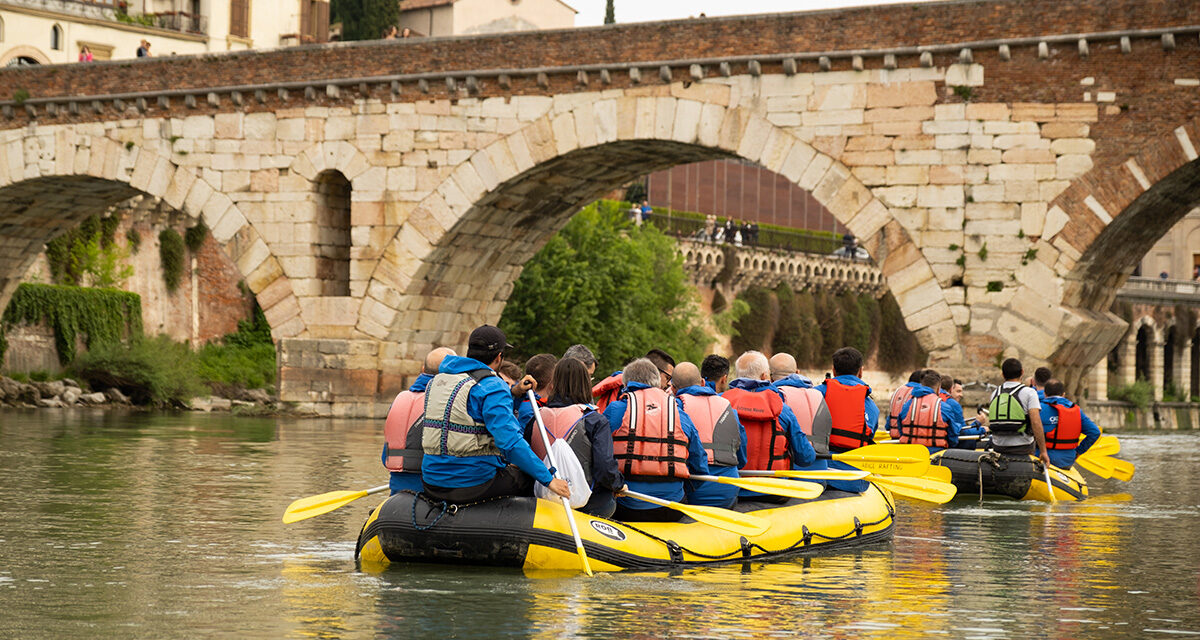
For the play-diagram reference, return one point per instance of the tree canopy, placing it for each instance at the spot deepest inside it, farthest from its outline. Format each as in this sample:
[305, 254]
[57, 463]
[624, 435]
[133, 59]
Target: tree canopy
[365, 19]
[603, 282]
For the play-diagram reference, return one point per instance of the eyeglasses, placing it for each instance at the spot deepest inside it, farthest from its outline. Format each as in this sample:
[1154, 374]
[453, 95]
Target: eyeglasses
[660, 370]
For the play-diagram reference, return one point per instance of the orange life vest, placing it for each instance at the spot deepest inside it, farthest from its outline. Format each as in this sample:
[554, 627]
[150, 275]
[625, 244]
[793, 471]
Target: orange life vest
[847, 406]
[766, 443]
[1066, 434]
[607, 390]
[923, 424]
[894, 409]
[404, 452]
[566, 423]
[650, 441]
[806, 404]
[719, 433]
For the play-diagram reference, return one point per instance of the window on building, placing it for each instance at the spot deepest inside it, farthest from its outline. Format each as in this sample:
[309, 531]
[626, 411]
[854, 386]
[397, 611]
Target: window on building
[56, 38]
[239, 18]
[333, 233]
[314, 20]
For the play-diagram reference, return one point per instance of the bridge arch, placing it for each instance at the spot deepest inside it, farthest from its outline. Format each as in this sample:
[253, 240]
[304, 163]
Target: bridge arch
[454, 260]
[49, 184]
[1102, 225]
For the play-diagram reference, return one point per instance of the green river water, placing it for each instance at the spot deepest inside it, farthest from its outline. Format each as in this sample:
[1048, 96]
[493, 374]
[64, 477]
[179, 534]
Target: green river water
[133, 525]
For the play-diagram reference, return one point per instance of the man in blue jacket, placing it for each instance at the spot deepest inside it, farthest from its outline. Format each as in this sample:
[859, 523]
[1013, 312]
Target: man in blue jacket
[952, 410]
[853, 427]
[469, 430]
[931, 383]
[638, 375]
[711, 415]
[1064, 422]
[754, 377]
[715, 371]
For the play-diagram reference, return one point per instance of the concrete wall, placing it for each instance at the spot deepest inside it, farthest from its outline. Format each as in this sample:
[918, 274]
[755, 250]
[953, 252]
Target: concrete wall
[1176, 252]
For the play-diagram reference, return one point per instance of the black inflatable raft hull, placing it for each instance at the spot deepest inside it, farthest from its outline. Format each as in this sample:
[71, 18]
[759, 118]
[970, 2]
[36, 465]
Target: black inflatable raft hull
[1017, 477]
[535, 534]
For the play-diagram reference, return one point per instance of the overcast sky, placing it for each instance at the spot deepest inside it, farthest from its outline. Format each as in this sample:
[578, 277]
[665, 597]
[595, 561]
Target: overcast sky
[591, 12]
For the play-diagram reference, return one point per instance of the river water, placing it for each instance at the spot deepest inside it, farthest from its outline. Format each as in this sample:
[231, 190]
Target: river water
[136, 525]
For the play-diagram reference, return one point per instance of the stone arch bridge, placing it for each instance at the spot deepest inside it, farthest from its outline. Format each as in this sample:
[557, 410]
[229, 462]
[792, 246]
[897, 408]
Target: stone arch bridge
[1005, 162]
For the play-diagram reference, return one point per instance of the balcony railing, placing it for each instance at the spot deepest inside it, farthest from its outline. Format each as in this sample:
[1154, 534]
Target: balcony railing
[1160, 291]
[182, 22]
[790, 240]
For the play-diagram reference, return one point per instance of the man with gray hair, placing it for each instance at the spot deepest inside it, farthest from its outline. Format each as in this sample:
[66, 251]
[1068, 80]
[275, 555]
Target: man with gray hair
[655, 444]
[721, 434]
[774, 439]
[582, 354]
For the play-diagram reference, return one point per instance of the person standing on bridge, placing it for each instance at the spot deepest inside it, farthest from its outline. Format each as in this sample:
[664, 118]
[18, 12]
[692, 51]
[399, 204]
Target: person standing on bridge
[402, 452]
[1065, 422]
[469, 430]
[1015, 416]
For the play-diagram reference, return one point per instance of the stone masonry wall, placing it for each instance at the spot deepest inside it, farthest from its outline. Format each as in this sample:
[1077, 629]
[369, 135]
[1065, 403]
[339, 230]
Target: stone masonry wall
[961, 171]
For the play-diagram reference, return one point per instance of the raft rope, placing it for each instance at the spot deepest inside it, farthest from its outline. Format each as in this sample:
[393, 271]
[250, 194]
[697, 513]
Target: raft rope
[673, 547]
[748, 546]
[991, 457]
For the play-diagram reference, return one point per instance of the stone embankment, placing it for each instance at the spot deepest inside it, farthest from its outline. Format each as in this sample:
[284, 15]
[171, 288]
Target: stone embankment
[67, 393]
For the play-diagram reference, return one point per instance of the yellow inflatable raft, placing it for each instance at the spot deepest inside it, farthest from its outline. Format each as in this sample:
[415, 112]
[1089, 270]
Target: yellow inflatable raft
[534, 534]
[1017, 477]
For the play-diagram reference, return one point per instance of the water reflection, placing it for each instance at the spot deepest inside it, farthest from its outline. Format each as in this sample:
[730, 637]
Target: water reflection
[118, 525]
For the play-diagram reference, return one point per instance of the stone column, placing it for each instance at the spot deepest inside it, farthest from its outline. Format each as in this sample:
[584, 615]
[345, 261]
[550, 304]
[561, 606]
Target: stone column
[1127, 355]
[1098, 381]
[1183, 368]
[1156, 366]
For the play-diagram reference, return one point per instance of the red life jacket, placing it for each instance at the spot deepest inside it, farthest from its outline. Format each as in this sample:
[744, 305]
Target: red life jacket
[650, 441]
[894, 409]
[567, 423]
[942, 395]
[404, 452]
[766, 443]
[1066, 435]
[923, 424]
[719, 433]
[847, 405]
[607, 390]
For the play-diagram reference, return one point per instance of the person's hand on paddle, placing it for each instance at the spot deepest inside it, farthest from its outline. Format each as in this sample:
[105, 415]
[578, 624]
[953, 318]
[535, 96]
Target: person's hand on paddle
[560, 487]
[1045, 458]
[619, 492]
[523, 385]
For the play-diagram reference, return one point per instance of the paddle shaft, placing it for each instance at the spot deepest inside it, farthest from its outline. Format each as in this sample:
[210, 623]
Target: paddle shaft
[1049, 484]
[317, 505]
[537, 414]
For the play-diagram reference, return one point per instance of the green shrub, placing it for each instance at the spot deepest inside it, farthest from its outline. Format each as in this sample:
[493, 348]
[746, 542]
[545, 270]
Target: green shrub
[89, 254]
[195, 236]
[170, 251]
[103, 316]
[251, 367]
[898, 347]
[155, 371]
[754, 328]
[1140, 394]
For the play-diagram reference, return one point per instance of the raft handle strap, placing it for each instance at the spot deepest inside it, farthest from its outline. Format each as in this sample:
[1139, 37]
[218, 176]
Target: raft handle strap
[858, 527]
[676, 551]
[806, 535]
[446, 506]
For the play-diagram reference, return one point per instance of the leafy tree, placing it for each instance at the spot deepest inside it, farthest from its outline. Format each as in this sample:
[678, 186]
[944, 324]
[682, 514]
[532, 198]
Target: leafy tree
[602, 282]
[610, 16]
[364, 19]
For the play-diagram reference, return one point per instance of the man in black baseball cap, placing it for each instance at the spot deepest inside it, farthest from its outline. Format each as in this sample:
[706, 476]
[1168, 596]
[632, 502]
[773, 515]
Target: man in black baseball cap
[469, 430]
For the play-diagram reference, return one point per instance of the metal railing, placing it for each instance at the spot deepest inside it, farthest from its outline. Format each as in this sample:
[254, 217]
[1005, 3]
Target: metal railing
[767, 238]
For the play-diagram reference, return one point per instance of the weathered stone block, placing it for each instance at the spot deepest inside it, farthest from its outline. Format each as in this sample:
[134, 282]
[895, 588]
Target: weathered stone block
[901, 94]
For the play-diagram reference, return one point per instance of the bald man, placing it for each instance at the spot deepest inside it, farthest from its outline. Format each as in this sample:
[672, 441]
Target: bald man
[402, 451]
[721, 433]
[775, 440]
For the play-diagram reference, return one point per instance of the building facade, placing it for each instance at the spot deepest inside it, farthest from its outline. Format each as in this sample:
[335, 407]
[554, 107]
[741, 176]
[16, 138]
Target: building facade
[1177, 254]
[60, 31]
[471, 17]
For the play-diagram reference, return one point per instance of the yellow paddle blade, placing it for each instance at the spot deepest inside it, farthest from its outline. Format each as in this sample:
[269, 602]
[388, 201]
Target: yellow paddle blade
[771, 486]
[881, 435]
[1122, 469]
[939, 473]
[918, 488]
[819, 474]
[1095, 465]
[313, 506]
[742, 524]
[1104, 446]
[910, 460]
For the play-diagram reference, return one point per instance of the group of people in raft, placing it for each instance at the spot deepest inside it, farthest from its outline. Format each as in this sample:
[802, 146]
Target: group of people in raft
[1023, 417]
[465, 430]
